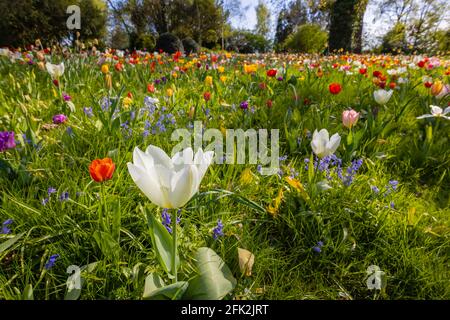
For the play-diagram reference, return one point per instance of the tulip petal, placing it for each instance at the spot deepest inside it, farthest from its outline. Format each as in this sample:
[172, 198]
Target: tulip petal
[159, 156]
[182, 158]
[148, 185]
[334, 142]
[447, 110]
[141, 159]
[435, 110]
[183, 186]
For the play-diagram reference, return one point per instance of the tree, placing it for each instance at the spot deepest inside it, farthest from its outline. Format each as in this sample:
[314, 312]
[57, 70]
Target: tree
[263, 19]
[24, 21]
[395, 39]
[346, 24]
[422, 20]
[247, 42]
[309, 38]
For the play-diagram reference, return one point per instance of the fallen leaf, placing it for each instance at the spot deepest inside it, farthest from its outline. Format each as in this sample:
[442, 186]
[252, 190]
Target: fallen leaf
[246, 261]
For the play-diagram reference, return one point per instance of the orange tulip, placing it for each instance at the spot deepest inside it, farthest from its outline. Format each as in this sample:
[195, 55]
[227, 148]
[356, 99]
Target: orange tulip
[102, 169]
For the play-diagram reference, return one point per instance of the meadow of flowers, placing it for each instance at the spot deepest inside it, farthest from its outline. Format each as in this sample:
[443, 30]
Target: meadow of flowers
[94, 206]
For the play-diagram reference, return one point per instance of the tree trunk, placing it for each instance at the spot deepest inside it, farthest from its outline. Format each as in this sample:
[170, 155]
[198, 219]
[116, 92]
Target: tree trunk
[343, 16]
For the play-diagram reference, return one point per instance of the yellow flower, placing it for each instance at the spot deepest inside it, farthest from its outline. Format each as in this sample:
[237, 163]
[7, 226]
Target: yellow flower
[246, 176]
[174, 74]
[437, 87]
[169, 92]
[220, 69]
[209, 80]
[294, 183]
[250, 68]
[127, 101]
[105, 68]
[275, 206]
[228, 55]
[223, 78]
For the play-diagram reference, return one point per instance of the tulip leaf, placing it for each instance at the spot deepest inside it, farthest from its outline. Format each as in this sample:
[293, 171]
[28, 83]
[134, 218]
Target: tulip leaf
[214, 280]
[152, 283]
[109, 247]
[170, 292]
[28, 292]
[162, 242]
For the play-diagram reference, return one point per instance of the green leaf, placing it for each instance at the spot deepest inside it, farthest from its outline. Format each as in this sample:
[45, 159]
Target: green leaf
[8, 243]
[109, 247]
[214, 280]
[152, 283]
[162, 242]
[171, 292]
[28, 292]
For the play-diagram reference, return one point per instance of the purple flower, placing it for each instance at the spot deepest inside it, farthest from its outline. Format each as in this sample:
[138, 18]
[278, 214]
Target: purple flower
[64, 196]
[218, 230]
[45, 201]
[167, 220]
[318, 247]
[7, 140]
[5, 224]
[51, 190]
[66, 97]
[393, 184]
[88, 112]
[280, 78]
[51, 261]
[375, 189]
[59, 118]
[244, 105]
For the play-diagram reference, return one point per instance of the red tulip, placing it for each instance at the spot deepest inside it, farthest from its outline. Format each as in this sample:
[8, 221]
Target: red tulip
[102, 169]
[271, 73]
[335, 88]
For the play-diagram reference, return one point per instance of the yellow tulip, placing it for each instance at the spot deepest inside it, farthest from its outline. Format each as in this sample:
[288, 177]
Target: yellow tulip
[437, 87]
[169, 92]
[105, 68]
[209, 80]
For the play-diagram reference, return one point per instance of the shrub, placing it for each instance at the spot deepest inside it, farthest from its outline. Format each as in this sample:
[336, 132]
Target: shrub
[309, 38]
[169, 43]
[247, 42]
[395, 39]
[142, 41]
[190, 45]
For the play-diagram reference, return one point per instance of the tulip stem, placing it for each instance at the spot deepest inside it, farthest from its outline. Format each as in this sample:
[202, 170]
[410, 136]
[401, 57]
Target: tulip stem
[174, 253]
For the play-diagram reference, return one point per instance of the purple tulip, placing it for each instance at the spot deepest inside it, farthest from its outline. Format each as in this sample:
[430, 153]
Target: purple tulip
[59, 118]
[7, 140]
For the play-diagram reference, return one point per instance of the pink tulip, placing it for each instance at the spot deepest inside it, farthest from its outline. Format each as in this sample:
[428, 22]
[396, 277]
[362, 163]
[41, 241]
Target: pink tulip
[350, 118]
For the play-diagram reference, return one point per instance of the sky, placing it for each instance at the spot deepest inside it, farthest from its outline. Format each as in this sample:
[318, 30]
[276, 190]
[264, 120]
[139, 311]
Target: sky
[375, 28]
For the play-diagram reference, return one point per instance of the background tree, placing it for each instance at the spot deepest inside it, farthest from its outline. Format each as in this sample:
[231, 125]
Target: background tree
[346, 24]
[24, 21]
[309, 38]
[262, 19]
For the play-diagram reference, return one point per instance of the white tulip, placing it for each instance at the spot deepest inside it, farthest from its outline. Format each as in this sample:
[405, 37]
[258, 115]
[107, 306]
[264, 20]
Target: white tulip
[322, 145]
[382, 96]
[436, 112]
[169, 183]
[55, 70]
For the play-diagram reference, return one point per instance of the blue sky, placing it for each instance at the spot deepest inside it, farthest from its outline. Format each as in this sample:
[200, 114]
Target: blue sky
[248, 21]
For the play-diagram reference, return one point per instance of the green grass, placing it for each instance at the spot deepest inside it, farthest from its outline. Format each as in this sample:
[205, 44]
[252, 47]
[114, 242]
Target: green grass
[358, 228]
